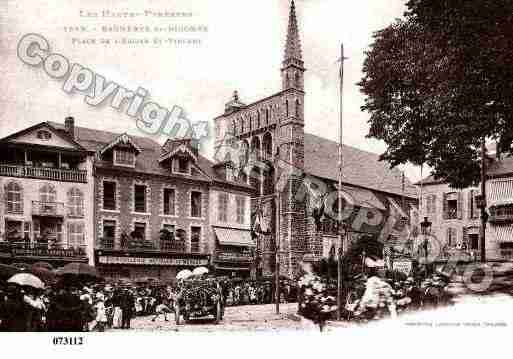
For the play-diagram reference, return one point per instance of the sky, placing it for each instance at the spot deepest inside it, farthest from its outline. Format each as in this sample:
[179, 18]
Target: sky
[242, 50]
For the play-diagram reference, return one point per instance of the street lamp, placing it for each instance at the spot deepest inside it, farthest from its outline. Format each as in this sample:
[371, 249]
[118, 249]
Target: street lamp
[425, 227]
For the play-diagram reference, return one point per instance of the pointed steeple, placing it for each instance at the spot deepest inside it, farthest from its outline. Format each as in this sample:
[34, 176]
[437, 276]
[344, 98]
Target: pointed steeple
[293, 44]
[292, 69]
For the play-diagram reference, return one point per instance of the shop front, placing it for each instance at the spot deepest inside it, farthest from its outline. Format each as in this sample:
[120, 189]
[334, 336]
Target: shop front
[234, 254]
[114, 265]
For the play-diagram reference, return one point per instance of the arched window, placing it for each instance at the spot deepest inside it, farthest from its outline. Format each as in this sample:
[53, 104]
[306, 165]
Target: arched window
[267, 143]
[255, 147]
[287, 108]
[75, 202]
[234, 128]
[47, 194]
[297, 80]
[267, 117]
[13, 198]
[241, 125]
[297, 108]
[258, 119]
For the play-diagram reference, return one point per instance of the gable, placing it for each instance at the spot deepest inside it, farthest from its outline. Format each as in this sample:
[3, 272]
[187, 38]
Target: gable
[122, 140]
[43, 135]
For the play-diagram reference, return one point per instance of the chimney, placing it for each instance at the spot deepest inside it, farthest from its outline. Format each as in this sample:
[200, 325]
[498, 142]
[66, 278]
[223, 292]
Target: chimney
[69, 125]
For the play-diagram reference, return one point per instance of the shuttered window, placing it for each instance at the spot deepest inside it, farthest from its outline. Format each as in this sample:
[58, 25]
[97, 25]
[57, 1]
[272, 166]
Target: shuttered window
[76, 236]
[13, 198]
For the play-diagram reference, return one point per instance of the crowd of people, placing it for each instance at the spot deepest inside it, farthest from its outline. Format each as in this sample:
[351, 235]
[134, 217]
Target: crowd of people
[73, 308]
[247, 292]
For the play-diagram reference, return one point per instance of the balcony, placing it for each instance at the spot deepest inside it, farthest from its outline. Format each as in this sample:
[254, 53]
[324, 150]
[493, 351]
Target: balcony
[53, 174]
[225, 256]
[47, 209]
[35, 250]
[501, 214]
[176, 246]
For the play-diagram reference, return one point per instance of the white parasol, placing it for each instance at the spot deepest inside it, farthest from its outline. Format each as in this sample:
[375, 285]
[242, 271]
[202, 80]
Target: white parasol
[184, 274]
[371, 263]
[27, 279]
[200, 271]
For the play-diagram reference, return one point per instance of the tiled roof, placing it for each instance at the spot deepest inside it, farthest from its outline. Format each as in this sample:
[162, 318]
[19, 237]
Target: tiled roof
[147, 160]
[360, 168]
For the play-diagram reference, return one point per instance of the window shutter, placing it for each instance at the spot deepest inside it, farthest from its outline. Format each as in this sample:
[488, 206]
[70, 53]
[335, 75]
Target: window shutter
[82, 236]
[460, 205]
[69, 228]
[465, 242]
[445, 207]
[448, 237]
[476, 209]
[470, 196]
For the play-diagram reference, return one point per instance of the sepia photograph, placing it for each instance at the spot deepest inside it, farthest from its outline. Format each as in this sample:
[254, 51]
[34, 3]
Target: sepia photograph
[280, 168]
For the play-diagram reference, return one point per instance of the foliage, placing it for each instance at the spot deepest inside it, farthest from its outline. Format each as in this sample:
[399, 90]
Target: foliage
[439, 81]
[166, 235]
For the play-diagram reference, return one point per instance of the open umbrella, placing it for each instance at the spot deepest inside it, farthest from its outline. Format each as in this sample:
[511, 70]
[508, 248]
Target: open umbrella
[45, 274]
[124, 282]
[79, 272]
[200, 271]
[7, 271]
[45, 265]
[184, 274]
[27, 279]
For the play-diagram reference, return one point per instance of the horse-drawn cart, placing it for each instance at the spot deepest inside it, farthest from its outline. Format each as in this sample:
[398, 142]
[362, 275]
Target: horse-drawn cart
[198, 298]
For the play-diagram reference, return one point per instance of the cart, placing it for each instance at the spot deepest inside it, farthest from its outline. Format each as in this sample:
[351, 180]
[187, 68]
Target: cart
[199, 298]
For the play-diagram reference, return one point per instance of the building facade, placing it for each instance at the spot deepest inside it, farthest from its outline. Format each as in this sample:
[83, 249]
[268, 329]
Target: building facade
[46, 212]
[456, 218]
[126, 204]
[499, 201]
[152, 205]
[264, 144]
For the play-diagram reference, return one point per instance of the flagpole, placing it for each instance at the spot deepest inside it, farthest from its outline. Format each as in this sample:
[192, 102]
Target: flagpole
[278, 212]
[340, 158]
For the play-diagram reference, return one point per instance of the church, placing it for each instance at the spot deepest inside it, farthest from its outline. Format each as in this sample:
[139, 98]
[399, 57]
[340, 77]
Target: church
[295, 176]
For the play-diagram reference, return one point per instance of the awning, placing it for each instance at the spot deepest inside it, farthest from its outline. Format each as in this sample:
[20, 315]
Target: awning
[363, 197]
[499, 192]
[503, 233]
[234, 237]
[397, 207]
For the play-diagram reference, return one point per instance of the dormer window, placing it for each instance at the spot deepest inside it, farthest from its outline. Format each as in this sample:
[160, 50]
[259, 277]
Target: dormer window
[182, 165]
[43, 135]
[124, 158]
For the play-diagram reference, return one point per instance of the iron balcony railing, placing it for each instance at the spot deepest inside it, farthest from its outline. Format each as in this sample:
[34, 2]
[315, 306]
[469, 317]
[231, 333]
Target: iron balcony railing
[55, 174]
[175, 246]
[48, 209]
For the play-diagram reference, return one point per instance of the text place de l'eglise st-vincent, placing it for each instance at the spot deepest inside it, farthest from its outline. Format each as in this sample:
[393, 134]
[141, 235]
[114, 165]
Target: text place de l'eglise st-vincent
[135, 208]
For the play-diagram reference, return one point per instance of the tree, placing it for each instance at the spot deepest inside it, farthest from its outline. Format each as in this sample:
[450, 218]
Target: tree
[440, 81]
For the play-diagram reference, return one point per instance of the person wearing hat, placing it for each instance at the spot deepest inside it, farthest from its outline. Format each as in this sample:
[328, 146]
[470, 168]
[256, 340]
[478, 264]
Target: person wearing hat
[13, 311]
[127, 304]
[162, 308]
[101, 312]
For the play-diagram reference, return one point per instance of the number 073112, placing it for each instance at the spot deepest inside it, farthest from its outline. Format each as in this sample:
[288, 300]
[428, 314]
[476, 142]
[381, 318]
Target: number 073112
[68, 340]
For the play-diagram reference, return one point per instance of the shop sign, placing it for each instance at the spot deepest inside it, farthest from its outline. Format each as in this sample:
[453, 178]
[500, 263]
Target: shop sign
[403, 266]
[153, 261]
